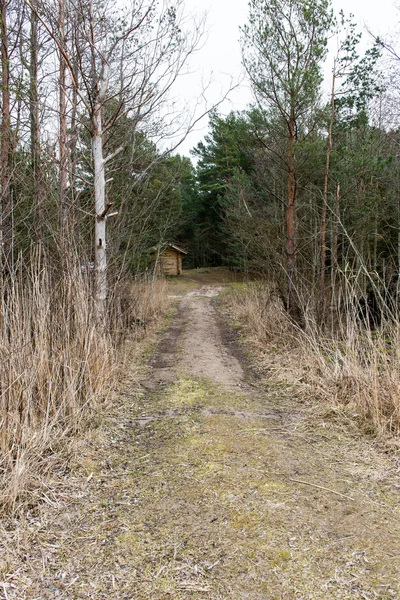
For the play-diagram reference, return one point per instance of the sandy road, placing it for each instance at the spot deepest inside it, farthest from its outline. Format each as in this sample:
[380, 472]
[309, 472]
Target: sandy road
[194, 345]
[204, 352]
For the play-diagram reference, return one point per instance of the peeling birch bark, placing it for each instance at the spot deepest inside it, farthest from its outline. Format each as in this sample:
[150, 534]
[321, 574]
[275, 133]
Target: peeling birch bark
[100, 221]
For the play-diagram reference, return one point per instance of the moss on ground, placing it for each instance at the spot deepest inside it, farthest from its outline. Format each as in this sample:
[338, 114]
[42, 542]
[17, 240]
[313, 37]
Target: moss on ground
[202, 503]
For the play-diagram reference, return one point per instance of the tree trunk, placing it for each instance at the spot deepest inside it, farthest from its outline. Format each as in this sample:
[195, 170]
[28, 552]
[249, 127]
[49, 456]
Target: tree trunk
[325, 195]
[100, 208]
[34, 125]
[72, 149]
[293, 304]
[335, 302]
[376, 233]
[5, 152]
[63, 138]
[398, 234]
[335, 234]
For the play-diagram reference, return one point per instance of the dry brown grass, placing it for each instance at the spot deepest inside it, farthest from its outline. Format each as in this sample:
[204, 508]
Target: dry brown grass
[57, 367]
[356, 370]
[136, 304]
[194, 490]
[259, 308]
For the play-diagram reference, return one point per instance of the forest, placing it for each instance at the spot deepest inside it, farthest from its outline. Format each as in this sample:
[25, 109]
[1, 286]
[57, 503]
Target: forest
[299, 195]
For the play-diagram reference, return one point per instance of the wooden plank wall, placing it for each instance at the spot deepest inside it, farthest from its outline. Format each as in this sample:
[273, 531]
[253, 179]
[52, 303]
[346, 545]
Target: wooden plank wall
[171, 262]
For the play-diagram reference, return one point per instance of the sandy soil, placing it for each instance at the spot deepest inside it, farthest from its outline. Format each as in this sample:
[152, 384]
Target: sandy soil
[208, 482]
[204, 353]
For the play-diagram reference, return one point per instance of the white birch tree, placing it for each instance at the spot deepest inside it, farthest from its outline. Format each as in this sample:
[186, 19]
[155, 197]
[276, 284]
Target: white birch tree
[127, 65]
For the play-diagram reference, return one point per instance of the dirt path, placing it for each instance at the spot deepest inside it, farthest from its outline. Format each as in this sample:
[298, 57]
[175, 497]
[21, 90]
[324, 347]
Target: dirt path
[203, 352]
[207, 483]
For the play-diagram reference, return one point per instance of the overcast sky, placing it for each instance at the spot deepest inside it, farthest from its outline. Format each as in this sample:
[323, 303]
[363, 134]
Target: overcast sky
[219, 60]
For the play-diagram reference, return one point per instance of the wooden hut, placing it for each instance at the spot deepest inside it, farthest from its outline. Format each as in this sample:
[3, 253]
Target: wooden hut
[169, 261]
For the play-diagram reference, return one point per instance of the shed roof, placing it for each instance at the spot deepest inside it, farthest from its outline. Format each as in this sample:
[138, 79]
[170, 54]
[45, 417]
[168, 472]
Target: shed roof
[177, 249]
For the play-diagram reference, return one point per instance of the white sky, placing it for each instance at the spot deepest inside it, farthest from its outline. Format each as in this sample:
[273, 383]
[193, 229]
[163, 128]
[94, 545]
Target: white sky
[219, 59]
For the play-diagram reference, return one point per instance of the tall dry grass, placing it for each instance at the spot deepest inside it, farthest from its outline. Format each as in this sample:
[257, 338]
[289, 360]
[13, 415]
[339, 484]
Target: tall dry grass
[57, 365]
[352, 366]
[135, 304]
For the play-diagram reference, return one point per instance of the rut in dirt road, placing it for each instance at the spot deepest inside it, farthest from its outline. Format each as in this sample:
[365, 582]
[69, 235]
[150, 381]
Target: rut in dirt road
[204, 484]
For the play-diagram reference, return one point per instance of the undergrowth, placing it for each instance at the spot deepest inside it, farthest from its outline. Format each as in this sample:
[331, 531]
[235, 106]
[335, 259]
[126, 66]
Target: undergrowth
[353, 367]
[58, 366]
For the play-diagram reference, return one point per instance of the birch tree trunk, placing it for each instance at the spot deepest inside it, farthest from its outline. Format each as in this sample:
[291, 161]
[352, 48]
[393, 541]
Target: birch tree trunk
[72, 150]
[100, 201]
[325, 194]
